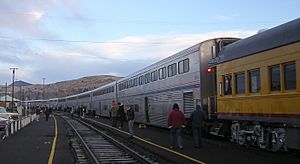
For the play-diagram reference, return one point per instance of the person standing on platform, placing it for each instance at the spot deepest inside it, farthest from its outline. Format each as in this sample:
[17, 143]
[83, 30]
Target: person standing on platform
[114, 113]
[47, 112]
[121, 114]
[83, 112]
[130, 118]
[38, 112]
[197, 118]
[176, 122]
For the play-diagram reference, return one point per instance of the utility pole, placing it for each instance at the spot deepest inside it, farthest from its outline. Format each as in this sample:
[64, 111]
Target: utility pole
[5, 94]
[44, 88]
[13, 86]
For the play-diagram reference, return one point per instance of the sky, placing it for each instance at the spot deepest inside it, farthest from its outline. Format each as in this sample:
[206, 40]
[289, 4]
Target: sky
[68, 39]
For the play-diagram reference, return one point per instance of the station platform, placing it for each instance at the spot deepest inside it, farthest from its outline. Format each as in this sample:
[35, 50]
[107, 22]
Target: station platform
[211, 151]
[33, 144]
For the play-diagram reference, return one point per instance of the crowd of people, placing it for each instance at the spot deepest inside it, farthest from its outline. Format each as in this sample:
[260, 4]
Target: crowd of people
[176, 123]
[46, 110]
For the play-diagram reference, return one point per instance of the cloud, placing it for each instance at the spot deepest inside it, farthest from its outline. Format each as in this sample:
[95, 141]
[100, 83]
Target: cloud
[123, 56]
[25, 17]
[155, 47]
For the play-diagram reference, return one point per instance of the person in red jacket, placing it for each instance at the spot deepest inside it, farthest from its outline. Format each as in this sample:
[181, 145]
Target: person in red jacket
[176, 122]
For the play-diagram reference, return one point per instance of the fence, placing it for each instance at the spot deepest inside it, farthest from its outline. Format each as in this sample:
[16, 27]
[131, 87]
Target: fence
[16, 125]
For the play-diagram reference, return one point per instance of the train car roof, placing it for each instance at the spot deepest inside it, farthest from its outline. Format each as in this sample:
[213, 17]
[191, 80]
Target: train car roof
[276, 37]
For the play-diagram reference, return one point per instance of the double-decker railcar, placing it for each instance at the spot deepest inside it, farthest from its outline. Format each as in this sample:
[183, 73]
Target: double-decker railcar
[258, 84]
[181, 78]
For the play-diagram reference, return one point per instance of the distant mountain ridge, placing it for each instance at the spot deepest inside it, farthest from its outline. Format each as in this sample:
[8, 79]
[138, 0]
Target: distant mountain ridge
[21, 83]
[58, 89]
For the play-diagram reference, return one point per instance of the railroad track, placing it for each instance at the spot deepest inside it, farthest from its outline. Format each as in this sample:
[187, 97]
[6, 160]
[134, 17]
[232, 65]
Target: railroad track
[96, 146]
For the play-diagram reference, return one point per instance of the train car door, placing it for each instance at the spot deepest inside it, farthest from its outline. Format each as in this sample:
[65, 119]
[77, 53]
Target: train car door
[147, 110]
[99, 108]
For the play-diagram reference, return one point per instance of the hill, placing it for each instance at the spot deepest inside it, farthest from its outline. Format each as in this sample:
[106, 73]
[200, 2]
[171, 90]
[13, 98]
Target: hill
[60, 89]
[21, 83]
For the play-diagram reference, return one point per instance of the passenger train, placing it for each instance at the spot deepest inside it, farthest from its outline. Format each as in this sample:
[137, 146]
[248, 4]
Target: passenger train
[249, 88]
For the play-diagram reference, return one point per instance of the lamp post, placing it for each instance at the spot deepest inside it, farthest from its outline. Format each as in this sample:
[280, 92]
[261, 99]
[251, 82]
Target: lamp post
[13, 86]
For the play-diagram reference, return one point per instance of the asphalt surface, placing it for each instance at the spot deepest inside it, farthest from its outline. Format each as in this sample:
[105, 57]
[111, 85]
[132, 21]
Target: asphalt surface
[213, 150]
[32, 144]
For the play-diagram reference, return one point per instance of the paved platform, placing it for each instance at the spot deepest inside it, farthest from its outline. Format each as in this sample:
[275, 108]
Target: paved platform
[212, 150]
[33, 144]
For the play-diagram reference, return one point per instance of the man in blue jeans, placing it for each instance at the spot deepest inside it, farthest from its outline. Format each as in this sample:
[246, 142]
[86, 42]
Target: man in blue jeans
[176, 122]
[130, 118]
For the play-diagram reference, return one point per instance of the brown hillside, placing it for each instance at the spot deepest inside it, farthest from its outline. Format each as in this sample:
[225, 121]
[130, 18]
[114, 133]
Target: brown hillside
[60, 89]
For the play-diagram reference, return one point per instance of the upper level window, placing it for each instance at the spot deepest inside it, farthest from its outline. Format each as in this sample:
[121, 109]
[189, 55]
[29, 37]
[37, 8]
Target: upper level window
[275, 78]
[254, 81]
[147, 78]
[154, 75]
[172, 70]
[290, 76]
[227, 85]
[240, 82]
[162, 73]
[141, 80]
[130, 83]
[183, 66]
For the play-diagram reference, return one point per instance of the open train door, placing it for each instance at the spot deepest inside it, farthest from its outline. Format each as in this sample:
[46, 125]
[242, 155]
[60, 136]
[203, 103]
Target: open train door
[147, 110]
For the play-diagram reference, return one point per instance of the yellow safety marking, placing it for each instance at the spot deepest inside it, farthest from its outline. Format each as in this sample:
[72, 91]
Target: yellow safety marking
[170, 150]
[154, 144]
[51, 157]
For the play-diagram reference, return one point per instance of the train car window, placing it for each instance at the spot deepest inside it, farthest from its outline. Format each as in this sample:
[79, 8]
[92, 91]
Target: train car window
[275, 78]
[162, 73]
[254, 81]
[290, 76]
[183, 66]
[172, 70]
[130, 83]
[120, 87]
[135, 82]
[141, 80]
[240, 82]
[126, 84]
[227, 84]
[105, 107]
[154, 76]
[147, 78]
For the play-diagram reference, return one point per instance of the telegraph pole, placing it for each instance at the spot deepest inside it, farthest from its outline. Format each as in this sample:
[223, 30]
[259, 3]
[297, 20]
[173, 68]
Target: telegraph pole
[13, 86]
[5, 93]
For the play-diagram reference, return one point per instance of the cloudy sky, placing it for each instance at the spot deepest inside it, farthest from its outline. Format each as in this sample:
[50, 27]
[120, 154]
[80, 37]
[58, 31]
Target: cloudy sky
[67, 39]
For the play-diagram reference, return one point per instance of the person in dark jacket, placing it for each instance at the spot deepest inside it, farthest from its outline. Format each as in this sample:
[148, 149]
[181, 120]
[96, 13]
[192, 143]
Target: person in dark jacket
[130, 118]
[197, 118]
[176, 122]
[48, 111]
[121, 114]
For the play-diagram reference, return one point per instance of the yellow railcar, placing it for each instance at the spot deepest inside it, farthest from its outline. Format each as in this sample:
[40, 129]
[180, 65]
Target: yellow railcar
[258, 87]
